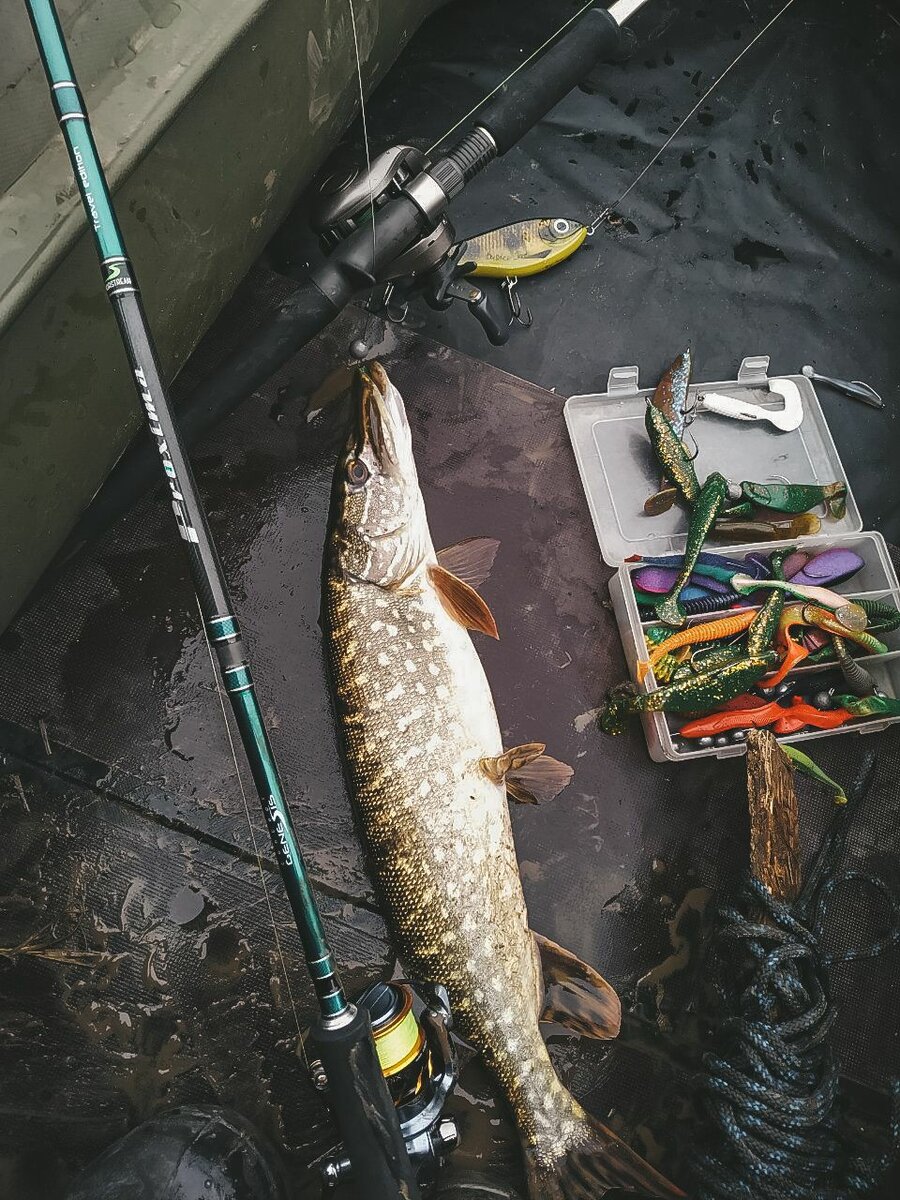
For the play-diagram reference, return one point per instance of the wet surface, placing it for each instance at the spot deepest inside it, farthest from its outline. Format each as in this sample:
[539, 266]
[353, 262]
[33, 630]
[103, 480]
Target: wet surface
[137, 962]
[129, 838]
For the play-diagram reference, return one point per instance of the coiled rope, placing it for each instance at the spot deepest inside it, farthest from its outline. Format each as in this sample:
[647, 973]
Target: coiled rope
[768, 1096]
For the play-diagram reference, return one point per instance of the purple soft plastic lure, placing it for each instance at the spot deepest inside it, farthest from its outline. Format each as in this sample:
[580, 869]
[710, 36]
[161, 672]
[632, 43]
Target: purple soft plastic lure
[831, 566]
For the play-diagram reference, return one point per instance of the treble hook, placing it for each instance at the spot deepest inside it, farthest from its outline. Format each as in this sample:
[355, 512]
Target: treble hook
[518, 315]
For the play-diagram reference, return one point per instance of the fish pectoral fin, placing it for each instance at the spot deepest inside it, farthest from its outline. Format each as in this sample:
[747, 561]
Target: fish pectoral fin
[575, 995]
[511, 760]
[470, 560]
[462, 602]
[541, 779]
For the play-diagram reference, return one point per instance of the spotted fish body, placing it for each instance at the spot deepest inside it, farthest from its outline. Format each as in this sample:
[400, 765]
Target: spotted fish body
[418, 724]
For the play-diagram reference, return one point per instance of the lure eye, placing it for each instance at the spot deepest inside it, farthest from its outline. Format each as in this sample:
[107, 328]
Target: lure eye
[357, 472]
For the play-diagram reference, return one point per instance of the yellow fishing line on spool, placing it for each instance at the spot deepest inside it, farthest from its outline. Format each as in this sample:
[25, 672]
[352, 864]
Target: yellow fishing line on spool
[400, 1040]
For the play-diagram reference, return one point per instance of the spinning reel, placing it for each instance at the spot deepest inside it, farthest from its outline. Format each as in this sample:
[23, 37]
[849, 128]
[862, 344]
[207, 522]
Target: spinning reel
[417, 1058]
[434, 265]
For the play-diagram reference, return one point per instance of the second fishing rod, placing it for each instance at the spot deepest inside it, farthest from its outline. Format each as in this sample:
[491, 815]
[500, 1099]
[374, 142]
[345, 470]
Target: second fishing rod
[342, 1036]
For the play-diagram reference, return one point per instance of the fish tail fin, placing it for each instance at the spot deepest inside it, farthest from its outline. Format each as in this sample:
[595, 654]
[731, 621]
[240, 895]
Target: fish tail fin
[595, 1163]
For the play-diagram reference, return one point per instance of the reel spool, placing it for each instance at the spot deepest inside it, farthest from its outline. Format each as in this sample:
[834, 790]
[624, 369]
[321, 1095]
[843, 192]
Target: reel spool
[419, 1065]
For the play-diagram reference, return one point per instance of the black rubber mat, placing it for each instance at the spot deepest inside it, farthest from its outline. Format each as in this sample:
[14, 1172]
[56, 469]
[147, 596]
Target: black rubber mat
[126, 823]
[766, 228]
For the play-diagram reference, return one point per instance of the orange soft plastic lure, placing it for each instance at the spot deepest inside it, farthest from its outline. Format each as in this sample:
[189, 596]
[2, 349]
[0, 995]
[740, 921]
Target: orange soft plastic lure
[706, 631]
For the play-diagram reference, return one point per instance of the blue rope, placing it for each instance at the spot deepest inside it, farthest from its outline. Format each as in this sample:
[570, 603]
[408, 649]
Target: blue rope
[767, 1095]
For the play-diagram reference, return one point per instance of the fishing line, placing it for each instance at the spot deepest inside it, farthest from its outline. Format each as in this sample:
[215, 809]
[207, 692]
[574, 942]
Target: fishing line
[610, 208]
[503, 82]
[365, 133]
[256, 850]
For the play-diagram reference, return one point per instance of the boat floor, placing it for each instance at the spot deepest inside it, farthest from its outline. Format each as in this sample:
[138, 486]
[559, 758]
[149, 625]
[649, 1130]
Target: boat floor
[145, 970]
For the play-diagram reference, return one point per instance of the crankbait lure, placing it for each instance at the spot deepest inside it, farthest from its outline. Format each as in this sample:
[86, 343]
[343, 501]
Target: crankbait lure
[523, 248]
[699, 694]
[709, 504]
[706, 631]
[797, 497]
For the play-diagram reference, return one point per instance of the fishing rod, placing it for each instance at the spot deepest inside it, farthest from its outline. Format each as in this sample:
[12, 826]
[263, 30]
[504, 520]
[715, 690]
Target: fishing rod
[370, 232]
[342, 1035]
[410, 237]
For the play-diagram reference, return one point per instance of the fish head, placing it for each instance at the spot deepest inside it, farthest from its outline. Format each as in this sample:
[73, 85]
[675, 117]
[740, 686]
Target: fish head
[380, 531]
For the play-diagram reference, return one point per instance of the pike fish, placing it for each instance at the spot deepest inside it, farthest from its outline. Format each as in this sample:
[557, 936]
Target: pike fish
[430, 776]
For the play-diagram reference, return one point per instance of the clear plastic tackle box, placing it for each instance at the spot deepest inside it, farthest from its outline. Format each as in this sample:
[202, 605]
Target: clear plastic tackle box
[618, 471]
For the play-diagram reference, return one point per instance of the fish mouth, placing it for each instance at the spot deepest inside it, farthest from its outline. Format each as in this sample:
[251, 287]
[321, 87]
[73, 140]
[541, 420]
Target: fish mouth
[381, 423]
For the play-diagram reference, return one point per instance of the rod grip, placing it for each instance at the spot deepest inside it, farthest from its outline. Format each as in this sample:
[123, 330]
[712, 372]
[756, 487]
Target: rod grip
[365, 1112]
[532, 93]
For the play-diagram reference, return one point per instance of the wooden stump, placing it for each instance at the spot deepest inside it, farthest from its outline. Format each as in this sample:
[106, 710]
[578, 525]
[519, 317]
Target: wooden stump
[774, 817]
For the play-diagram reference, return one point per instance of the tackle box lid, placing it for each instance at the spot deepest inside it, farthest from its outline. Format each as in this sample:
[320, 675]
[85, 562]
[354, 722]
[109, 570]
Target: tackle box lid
[618, 469]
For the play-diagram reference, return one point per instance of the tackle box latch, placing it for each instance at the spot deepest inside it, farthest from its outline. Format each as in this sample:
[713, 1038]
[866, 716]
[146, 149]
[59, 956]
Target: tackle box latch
[754, 369]
[624, 379]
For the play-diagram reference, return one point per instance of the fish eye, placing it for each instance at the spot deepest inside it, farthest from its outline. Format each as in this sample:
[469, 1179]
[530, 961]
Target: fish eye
[357, 472]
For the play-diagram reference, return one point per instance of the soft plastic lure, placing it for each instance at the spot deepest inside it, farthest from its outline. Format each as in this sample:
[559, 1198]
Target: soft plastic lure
[762, 632]
[670, 398]
[693, 635]
[524, 248]
[707, 507]
[797, 497]
[870, 706]
[803, 525]
[812, 614]
[856, 677]
[696, 695]
[674, 460]
[850, 615]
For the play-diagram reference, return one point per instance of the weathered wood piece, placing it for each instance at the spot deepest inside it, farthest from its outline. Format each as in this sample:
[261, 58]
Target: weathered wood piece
[774, 816]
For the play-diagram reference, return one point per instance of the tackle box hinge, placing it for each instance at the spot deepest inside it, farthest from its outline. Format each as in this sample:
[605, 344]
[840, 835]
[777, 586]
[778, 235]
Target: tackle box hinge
[624, 379]
[754, 369]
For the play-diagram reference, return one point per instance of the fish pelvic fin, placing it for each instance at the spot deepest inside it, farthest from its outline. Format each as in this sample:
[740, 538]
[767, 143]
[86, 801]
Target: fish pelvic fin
[497, 768]
[461, 602]
[530, 775]
[575, 995]
[539, 780]
[596, 1163]
[470, 560]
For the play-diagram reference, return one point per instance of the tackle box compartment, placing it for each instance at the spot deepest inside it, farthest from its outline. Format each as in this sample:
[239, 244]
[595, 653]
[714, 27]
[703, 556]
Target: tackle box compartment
[618, 472]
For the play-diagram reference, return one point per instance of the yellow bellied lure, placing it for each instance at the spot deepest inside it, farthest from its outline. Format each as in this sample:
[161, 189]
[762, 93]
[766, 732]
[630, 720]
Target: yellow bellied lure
[524, 248]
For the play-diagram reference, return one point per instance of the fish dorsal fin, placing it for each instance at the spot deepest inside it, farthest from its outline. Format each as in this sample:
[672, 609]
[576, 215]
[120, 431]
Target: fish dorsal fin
[538, 780]
[511, 760]
[462, 602]
[470, 560]
[575, 995]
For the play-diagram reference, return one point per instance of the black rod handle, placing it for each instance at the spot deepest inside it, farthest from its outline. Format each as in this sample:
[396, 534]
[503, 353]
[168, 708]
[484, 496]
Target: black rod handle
[531, 94]
[365, 1112]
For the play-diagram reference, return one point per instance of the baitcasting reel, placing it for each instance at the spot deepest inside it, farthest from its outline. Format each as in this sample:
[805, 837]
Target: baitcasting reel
[433, 266]
[419, 1064]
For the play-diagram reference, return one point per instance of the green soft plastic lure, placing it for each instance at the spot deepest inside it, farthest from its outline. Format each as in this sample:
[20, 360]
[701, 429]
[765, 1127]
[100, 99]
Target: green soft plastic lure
[805, 764]
[700, 694]
[672, 457]
[797, 497]
[707, 507]
[761, 633]
[870, 706]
